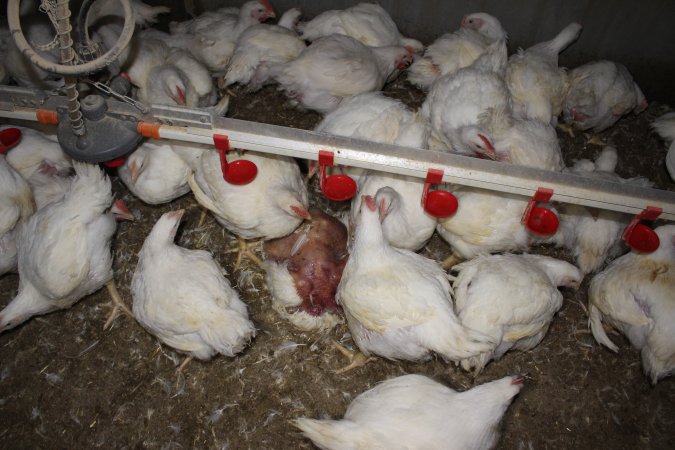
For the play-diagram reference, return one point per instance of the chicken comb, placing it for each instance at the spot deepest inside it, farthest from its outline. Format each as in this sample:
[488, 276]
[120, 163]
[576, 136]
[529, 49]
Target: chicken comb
[9, 137]
[266, 4]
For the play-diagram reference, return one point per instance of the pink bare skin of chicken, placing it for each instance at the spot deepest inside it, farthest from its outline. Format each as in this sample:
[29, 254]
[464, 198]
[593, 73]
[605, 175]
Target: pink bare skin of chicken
[316, 267]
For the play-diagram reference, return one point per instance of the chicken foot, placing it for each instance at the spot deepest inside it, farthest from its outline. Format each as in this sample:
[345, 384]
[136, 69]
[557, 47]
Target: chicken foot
[356, 359]
[451, 261]
[245, 249]
[569, 129]
[116, 303]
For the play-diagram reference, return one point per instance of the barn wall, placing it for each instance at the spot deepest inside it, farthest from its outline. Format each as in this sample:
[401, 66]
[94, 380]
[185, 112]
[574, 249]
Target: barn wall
[640, 35]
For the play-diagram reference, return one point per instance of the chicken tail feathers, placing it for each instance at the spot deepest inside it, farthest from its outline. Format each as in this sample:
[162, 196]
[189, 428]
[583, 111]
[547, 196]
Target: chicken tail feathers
[568, 35]
[595, 320]
[228, 333]
[331, 433]
[665, 126]
[422, 73]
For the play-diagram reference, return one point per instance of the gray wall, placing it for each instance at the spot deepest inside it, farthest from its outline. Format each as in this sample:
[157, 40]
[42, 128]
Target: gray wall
[638, 34]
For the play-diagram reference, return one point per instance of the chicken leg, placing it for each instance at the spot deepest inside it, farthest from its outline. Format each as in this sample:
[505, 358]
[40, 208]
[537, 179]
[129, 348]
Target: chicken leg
[245, 249]
[451, 261]
[116, 303]
[356, 359]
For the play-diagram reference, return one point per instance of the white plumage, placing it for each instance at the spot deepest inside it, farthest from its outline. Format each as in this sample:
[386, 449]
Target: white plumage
[157, 172]
[453, 51]
[260, 48]
[413, 411]
[368, 23]
[271, 206]
[486, 222]
[511, 298]
[665, 126]
[182, 296]
[599, 94]
[337, 66]
[636, 294]
[537, 85]
[16, 206]
[64, 249]
[212, 39]
[456, 101]
[593, 236]
[398, 304]
[523, 142]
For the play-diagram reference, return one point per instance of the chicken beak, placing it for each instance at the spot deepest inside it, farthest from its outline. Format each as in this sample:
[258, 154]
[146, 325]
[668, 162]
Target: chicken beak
[491, 152]
[121, 212]
[176, 215]
[180, 96]
[518, 380]
[133, 170]
[301, 212]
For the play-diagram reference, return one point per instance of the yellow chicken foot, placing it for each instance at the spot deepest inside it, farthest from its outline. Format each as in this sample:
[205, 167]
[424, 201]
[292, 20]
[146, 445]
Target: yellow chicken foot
[451, 261]
[116, 303]
[185, 362]
[245, 249]
[596, 140]
[356, 359]
[202, 217]
[569, 129]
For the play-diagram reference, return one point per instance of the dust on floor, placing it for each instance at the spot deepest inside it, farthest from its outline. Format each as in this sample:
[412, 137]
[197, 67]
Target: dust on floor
[66, 383]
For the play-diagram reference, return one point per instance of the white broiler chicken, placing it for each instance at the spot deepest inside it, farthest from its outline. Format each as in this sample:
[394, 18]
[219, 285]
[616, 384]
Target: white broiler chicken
[204, 20]
[41, 162]
[486, 222]
[371, 116]
[665, 127]
[537, 85]
[636, 294]
[157, 172]
[416, 412]
[593, 236]
[398, 304]
[368, 23]
[511, 298]
[213, 41]
[260, 48]
[374, 117]
[16, 206]
[171, 76]
[182, 296]
[599, 94]
[64, 249]
[523, 142]
[335, 67]
[453, 51]
[35, 148]
[271, 206]
[456, 102]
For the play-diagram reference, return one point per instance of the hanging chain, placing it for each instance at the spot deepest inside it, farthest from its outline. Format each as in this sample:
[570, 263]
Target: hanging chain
[48, 7]
[106, 89]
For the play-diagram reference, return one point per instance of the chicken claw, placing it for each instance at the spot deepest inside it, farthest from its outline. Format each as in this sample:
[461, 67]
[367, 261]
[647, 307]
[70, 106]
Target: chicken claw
[116, 303]
[356, 359]
[596, 140]
[245, 248]
[569, 129]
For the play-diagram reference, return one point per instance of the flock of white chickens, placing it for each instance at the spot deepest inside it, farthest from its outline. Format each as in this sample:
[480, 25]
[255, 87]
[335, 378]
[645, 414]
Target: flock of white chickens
[57, 216]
